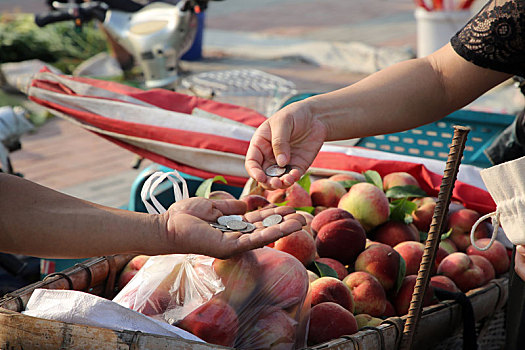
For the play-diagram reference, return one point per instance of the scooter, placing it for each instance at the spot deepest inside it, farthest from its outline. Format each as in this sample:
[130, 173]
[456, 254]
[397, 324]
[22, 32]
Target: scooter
[156, 34]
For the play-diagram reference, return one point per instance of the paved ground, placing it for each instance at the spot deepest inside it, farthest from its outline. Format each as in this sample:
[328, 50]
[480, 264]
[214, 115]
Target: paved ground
[64, 157]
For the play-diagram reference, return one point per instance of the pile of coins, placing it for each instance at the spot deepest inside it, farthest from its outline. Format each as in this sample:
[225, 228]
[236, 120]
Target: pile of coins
[230, 223]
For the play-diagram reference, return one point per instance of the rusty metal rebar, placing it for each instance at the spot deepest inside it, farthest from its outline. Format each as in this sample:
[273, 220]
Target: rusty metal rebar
[434, 235]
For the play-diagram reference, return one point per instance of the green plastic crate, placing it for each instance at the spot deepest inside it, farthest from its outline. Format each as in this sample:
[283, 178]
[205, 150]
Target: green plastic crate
[433, 140]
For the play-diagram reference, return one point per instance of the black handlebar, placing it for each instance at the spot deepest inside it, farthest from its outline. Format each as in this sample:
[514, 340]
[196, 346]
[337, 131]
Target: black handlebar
[44, 19]
[78, 12]
[85, 11]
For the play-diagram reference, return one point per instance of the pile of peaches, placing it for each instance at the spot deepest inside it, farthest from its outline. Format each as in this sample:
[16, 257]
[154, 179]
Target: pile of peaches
[359, 253]
[363, 244]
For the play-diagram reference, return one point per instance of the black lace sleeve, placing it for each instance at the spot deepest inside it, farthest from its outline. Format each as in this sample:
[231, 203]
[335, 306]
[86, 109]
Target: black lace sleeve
[495, 37]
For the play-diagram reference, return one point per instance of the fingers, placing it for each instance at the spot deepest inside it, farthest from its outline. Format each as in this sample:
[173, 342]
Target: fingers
[230, 206]
[280, 136]
[260, 215]
[519, 261]
[297, 217]
[255, 159]
[264, 236]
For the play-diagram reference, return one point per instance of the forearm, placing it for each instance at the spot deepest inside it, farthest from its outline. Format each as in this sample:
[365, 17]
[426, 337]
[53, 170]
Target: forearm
[37, 221]
[403, 96]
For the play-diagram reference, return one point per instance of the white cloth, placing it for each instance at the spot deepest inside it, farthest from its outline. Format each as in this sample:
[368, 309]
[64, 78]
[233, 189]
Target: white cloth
[506, 184]
[88, 309]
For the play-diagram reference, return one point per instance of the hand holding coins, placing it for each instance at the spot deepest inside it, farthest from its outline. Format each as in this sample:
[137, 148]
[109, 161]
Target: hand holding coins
[229, 223]
[217, 228]
[276, 170]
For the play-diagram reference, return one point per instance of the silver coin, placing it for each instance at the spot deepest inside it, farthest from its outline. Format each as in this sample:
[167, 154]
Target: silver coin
[272, 220]
[236, 225]
[219, 226]
[249, 228]
[275, 170]
[223, 220]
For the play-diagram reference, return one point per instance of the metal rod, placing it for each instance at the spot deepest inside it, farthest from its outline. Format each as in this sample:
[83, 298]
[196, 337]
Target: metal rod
[434, 235]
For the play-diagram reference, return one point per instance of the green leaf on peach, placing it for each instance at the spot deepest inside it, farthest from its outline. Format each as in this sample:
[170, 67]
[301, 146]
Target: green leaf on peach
[402, 209]
[405, 192]
[309, 210]
[446, 234]
[305, 182]
[324, 270]
[423, 236]
[374, 178]
[400, 273]
[204, 188]
[282, 204]
[348, 183]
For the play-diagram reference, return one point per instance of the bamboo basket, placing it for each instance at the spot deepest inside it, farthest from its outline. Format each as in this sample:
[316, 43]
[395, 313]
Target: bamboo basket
[440, 328]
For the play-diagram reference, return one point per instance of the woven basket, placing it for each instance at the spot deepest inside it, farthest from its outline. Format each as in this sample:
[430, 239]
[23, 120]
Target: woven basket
[440, 326]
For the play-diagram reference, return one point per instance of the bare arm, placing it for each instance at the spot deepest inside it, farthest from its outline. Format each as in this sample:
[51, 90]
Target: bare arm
[404, 96]
[38, 221]
[400, 97]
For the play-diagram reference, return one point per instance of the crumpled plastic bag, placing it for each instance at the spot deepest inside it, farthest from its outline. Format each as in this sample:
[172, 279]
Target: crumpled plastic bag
[87, 309]
[255, 300]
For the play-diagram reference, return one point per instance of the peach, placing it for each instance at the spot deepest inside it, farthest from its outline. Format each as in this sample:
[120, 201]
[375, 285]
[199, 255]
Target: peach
[273, 329]
[461, 222]
[341, 240]
[328, 215]
[312, 276]
[131, 269]
[399, 178]
[239, 276]
[382, 262]
[420, 201]
[422, 216]
[331, 289]
[389, 310]
[221, 195]
[283, 279]
[367, 203]
[214, 322]
[462, 270]
[369, 295]
[325, 192]
[337, 266]
[365, 320]
[440, 255]
[299, 244]
[329, 321]
[443, 282]
[155, 304]
[486, 266]
[394, 232]
[255, 202]
[404, 295]
[319, 209]
[496, 254]
[448, 245]
[348, 176]
[307, 216]
[412, 253]
[295, 196]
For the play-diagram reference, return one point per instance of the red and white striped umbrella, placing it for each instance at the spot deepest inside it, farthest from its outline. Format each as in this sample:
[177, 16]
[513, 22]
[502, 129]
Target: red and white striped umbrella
[205, 138]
